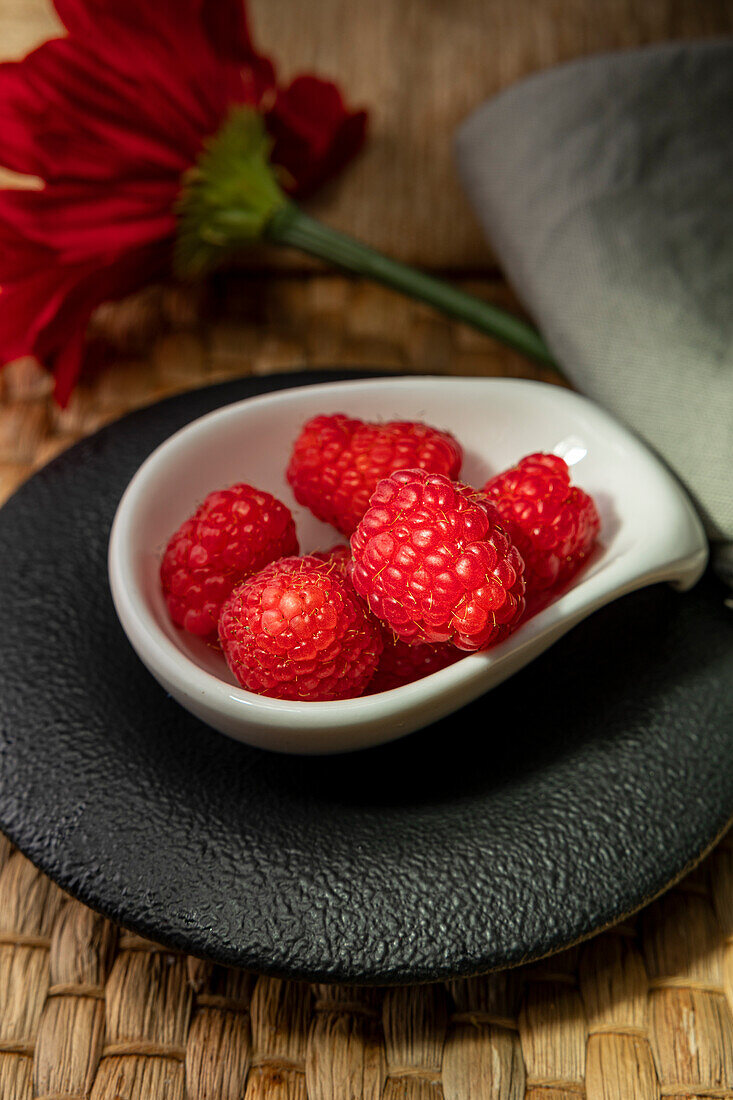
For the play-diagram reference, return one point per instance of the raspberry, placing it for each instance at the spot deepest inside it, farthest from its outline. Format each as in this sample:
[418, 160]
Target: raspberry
[338, 557]
[553, 524]
[401, 663]
[299, 634]
[336, 560]
[337, 462]
[433, 562]
[234, 533]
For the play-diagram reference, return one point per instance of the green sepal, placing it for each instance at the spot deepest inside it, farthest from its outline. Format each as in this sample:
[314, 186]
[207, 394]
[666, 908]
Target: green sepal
[228, 197]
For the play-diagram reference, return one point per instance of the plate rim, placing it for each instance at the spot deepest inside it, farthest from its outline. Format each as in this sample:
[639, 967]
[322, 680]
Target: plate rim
[64, 877]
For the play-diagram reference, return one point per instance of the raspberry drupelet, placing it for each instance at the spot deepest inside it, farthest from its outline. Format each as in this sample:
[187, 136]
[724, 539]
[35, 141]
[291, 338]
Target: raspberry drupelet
[553, 524]
[299, 633]
[434, 563]
[399, 663]
[234, 533]
[336, 560]
[402, 664]
[337, 462]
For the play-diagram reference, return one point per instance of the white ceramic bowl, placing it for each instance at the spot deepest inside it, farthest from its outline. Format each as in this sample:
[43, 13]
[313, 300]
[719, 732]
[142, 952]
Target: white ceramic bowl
[650, 532]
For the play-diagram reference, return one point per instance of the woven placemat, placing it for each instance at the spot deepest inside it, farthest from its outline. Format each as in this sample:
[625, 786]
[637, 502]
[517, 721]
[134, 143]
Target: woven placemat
[88, 1010]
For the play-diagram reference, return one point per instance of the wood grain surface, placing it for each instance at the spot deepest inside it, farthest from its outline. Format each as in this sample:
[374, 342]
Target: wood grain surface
[420, 66]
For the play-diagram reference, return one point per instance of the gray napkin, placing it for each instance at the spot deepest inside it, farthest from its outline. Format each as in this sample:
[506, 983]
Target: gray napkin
[606, 188]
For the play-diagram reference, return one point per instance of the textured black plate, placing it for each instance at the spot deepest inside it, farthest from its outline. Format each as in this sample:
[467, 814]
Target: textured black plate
[554, 805]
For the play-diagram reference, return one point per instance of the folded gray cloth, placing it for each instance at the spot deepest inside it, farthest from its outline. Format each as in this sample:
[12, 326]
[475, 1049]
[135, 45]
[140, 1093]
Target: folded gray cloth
[606, 188]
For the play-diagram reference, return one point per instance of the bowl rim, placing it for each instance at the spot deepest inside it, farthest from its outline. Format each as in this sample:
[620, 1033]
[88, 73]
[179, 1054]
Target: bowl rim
[171, 666]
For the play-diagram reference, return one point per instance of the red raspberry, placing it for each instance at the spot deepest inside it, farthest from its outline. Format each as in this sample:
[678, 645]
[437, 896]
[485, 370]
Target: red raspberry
[338, 557]
[336, 560]
[401, 663]
[337, 462]
[433, 562]
[234, 533]
[299, 635]
[553, 524]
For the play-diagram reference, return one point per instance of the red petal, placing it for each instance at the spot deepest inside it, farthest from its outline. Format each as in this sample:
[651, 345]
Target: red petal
[184, 40]
[224, 21]
[225, 24]
[21, 312]
[17, 257]
[81, 226]
[87, 17]
[53, 127]
[315, 134]
[110, 117]
[67, 365]
[45, 313]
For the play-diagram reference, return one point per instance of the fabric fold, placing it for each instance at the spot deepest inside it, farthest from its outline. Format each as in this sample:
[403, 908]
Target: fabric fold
[606, 188]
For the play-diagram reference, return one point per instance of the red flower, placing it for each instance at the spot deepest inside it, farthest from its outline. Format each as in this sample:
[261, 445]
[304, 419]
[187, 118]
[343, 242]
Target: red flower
[109, 118]
[314, 134]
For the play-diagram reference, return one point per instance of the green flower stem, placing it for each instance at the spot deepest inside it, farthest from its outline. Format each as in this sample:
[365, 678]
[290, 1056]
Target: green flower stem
[288, 225]
[232, 198]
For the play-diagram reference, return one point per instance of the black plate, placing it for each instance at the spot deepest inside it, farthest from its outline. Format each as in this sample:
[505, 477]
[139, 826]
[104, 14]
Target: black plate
[554, 805]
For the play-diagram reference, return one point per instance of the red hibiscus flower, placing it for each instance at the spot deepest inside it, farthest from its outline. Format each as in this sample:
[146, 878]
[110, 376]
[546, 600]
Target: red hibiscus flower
[110, 118]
